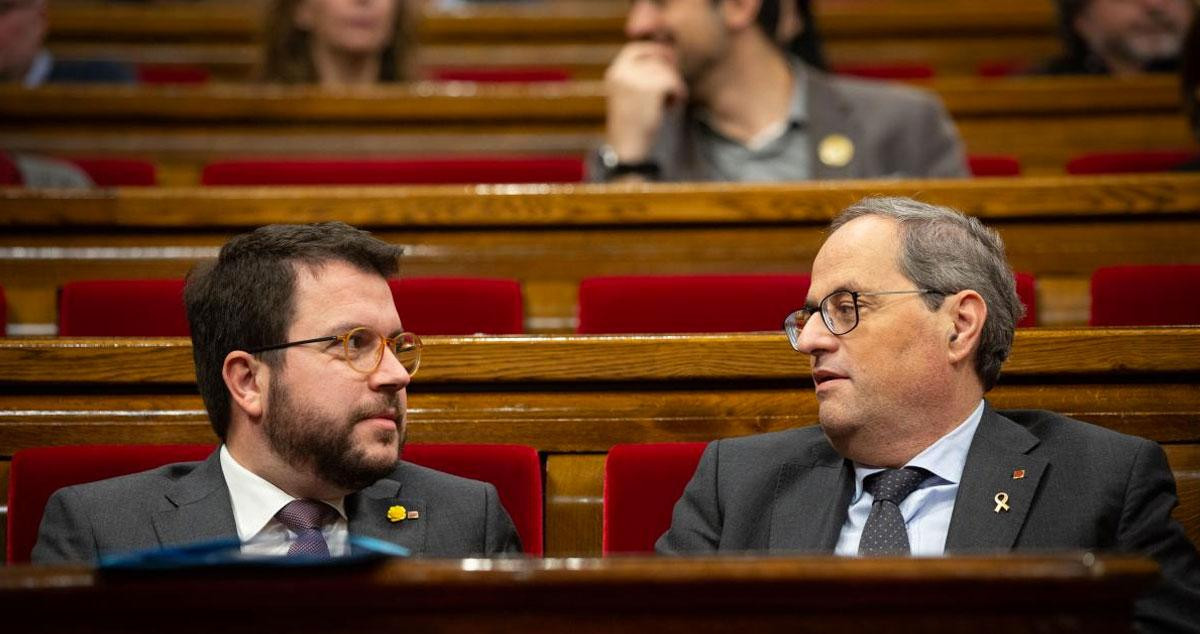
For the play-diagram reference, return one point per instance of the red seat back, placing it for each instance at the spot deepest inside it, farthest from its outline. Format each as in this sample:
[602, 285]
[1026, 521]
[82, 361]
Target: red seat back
[172, 74]
[641, 485]
[425, 171]
[459, 305]
[122, 308]
[1166, 295]
[1129, 162]
[994, 165]
[3, 314]
[37, 473]
[694, 303]
[9, 174]
[117, 172]
[1027, 292]
[886, 71]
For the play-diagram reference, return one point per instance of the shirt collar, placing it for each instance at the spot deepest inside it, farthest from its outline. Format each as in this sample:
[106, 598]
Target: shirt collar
[945, 458]
[255, 500]
[39, 70]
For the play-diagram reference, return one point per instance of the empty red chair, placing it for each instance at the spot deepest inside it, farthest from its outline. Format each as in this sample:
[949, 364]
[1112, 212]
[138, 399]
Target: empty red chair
[1027, 292]
[35, 474]
[424, 171]
[994, 165]
[122, 308]
[1167, 295]
[502, 75]
[886, 71]
[459, 305]
[641, 485]
[1129, 162]
[691, 303]
[118, 172]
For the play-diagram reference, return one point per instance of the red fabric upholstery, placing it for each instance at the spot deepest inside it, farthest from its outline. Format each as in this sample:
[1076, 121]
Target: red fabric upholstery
[9, 174]
[172, 74]
[1002, 68]
[459, 305]
[122, 308]
[886, 71]
[1129, 162]
[430, 171]
[698, 303]
[37, 473]
[115, 172]
[641, 485]
[1027, 291]
[501, 75]
[1166, 295]
[994, 165]
[516, 470]
[3, 314]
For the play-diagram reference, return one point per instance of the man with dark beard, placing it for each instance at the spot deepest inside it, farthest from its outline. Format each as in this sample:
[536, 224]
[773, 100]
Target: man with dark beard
[1120, 37]
[303, 365]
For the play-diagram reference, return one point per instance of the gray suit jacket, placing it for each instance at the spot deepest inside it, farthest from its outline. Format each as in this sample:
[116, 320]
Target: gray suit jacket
[1085, 487]
[896, 130]
[189, 502]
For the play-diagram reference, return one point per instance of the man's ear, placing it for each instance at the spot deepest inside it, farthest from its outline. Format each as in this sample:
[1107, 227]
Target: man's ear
[247, 379]
[740, 14]
[967, 312]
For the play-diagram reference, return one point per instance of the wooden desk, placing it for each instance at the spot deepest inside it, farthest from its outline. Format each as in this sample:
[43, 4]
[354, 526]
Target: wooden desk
[550, 237]
[1042, 121]
[573, 398]
[952, 36]
[1068, 593]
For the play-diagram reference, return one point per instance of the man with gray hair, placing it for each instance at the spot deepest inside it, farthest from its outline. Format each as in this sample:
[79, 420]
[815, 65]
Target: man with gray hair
[909, 317]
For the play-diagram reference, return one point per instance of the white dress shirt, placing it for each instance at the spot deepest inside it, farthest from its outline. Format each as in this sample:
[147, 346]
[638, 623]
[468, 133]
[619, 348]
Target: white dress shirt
[255, 503]
[927, 510]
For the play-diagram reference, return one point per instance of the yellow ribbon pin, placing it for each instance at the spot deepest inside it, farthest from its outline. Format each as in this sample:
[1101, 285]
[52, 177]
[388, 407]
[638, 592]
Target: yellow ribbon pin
[397, 514]
[1001, 500]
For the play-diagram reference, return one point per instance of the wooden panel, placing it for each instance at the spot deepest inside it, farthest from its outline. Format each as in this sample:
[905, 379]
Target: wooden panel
[574, 492]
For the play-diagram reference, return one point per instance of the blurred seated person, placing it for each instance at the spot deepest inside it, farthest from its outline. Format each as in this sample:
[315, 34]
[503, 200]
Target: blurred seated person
[1120, 37]
[705, 91]
[24, 59]
[337, 42]
[28, 170]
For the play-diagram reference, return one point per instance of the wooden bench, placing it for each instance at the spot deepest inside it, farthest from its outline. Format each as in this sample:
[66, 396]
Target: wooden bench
[1042, 121]
[573, 398]
[1059, 228]
[952, 36]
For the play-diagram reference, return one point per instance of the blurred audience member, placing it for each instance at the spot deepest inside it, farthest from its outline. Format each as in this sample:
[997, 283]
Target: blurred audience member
[337, 42]
[1120, 37]
[24, 59]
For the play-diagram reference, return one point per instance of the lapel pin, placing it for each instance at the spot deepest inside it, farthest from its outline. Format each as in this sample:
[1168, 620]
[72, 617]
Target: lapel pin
[836, 150]
[1001, 500]
[397, 514]
[1018, 474]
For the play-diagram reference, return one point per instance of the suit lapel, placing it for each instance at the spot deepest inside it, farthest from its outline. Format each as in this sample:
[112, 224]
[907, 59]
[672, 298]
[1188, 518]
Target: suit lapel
[811, 499]
[368, 512]
[830, 121]
[998, 466]
[199, 508]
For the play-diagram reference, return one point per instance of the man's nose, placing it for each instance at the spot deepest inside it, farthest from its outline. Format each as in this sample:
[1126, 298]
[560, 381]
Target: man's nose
[643, 21]
[815, 336]
[390, 376]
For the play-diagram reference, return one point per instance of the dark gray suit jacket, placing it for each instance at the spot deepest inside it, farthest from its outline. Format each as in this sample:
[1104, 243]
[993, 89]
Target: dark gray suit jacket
[1085, 487]
[189, 502]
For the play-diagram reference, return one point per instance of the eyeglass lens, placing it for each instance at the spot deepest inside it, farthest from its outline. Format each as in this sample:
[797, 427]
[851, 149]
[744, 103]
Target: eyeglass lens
[364, 350]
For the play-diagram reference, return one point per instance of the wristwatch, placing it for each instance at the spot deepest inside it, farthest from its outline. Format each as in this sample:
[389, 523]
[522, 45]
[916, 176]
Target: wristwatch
[613, 167]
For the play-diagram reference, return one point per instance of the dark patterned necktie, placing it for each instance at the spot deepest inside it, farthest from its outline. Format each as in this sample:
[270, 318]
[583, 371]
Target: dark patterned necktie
[884, 533]
[306, 518]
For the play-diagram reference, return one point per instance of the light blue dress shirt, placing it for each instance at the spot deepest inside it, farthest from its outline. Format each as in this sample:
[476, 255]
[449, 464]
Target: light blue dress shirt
[927, 510]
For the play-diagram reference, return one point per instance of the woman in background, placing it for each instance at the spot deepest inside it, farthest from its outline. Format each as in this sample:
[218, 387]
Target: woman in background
[337, 42]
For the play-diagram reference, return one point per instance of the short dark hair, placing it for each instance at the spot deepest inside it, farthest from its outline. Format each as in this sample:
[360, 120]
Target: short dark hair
[806, 44]
[245, 298]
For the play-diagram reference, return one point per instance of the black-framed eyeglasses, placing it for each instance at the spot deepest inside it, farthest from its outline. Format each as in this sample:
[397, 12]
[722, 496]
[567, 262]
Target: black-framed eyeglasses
[839, 311]
[363, 348]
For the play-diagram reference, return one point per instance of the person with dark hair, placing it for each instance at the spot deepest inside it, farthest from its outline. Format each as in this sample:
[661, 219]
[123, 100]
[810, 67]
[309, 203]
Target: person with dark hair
[1120, 37]
[24, 59]
[910, 315]
[705, 91]
[303, 366]
[337, 42]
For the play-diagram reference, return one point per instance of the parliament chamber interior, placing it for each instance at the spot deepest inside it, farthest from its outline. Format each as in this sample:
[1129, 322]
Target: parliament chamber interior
[584, 336]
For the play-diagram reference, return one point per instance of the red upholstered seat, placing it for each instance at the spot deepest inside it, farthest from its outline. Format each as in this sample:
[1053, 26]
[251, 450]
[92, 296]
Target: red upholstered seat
[122, 308]
[1129, 162]
[172, 74]
[1027, 291]
[1167, 295]
[886, 71]
[117, 172]
[410, 171]
[459, 305]
[37, 473]
[994, 165]
[9, 174]
[692, 303]
[3, 314]
[502, 75]
[641, 485]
